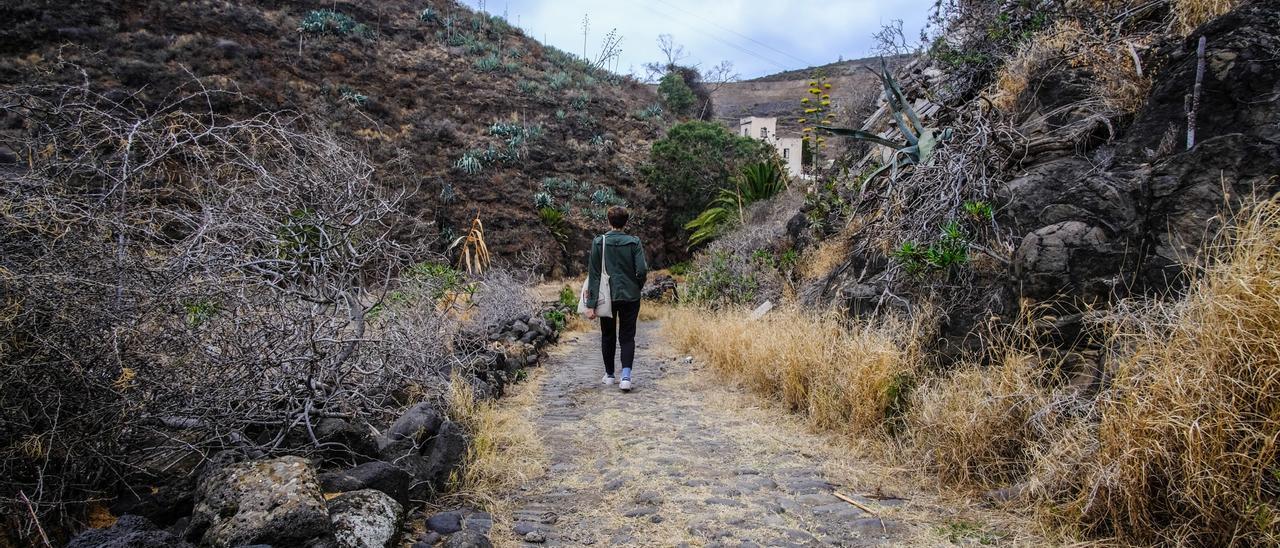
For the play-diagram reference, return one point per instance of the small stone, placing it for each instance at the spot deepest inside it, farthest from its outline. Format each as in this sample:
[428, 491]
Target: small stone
[640, 511]
[724, 502]
[445, 523]
[656, 518]
[468, 539]
[648, 497]
[480, 522]
[535, 537]
[806, 486]
[523, 528]
[726, 492]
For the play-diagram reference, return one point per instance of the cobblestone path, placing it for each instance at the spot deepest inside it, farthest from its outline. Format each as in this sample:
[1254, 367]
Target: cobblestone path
[681, 461]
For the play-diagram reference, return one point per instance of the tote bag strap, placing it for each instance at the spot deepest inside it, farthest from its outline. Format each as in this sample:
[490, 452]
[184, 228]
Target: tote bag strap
[604, 249]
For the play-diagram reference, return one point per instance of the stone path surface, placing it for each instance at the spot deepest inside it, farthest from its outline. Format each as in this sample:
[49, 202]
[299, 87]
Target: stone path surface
[680, 461]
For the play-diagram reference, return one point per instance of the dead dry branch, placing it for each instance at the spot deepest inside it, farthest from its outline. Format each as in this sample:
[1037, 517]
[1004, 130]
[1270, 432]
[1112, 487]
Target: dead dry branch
[176, 282]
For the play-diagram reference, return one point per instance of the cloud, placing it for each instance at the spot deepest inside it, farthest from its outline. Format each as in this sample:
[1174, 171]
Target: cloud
[759, 37]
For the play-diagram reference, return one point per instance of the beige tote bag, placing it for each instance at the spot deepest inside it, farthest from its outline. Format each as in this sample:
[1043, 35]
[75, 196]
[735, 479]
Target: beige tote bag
[604, 300]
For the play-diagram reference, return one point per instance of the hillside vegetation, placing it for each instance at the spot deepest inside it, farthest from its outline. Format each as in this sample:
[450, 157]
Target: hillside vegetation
[458, 109]
[1049, 281]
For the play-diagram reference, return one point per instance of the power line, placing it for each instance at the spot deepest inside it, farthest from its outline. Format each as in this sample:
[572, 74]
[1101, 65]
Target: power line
[743, 49]
[736, 33]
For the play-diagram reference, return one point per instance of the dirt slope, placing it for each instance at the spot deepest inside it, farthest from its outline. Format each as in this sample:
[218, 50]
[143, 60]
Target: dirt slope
[413, 84]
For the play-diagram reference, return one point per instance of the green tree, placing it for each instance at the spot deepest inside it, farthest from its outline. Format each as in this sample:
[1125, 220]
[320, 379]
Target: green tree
[676, 94]
[694, 161]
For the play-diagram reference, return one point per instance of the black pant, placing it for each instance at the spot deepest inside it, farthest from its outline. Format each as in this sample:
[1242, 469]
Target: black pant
[621, 325]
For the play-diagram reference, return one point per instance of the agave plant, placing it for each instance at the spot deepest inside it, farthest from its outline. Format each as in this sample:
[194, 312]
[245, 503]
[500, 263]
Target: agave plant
[755, 182]
[475, 253]
[921, 140]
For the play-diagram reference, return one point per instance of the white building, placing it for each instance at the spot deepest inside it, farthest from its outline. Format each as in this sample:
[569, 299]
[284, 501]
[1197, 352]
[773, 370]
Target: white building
[766, 129]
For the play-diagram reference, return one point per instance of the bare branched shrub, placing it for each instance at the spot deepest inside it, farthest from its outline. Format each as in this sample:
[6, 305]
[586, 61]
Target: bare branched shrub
[502, 296]
[738, 268]
[177, 282]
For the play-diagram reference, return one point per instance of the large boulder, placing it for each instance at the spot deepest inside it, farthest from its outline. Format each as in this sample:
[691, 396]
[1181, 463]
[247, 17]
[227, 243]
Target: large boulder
[447, 453]
[383, 476]
[1068, 258]
[1068, 189]
[365, 519]
[128, 532]
[276, 502]
[417, 423]
[1193, 194]
[344, 440]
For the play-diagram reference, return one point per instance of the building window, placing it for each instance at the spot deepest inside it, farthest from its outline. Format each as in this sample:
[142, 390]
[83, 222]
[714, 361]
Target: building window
[764, 133]
[786, 154]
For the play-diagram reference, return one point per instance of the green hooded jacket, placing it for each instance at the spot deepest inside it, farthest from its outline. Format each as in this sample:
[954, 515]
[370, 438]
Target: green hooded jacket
[627, 268]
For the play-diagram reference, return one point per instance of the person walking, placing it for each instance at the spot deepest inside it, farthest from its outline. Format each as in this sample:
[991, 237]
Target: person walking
[623, 260]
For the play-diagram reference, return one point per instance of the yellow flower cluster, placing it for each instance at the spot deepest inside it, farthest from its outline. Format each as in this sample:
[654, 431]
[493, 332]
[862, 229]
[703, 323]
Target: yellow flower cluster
[817, 110]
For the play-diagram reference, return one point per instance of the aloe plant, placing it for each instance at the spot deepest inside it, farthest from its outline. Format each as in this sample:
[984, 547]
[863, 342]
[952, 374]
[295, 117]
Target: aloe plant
[921, 140]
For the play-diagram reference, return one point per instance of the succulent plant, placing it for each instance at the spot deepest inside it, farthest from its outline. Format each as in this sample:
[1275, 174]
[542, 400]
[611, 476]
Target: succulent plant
[469, 163]
[921, 140]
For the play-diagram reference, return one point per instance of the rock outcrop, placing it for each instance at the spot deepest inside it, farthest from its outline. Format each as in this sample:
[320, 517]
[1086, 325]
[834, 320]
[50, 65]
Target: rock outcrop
[276, 502]
[365, 519]
[383, 476]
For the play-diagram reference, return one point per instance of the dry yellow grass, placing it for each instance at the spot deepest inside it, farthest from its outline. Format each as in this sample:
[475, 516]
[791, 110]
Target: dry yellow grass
[822, 260]
[844, 377]
[504, 451]
[973, 427]
[1187, 445]
[1117, 80]
[1189, 14]
[1180, 448]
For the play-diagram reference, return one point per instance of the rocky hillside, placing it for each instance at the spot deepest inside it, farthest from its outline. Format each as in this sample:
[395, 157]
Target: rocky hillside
[1054, 264]
[458, 108]
[1097, 191]
[853, 87]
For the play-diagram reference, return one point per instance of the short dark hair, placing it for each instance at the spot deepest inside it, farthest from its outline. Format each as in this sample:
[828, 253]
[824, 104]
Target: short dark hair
[618, 216]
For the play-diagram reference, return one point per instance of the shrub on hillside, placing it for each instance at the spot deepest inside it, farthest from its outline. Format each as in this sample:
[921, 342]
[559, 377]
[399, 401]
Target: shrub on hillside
[694, 161]
[754, 183]
[741, 268]
[329, 21]
[676, 95]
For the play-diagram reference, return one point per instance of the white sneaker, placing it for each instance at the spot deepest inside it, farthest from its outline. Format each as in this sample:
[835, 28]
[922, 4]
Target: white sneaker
[625, 385]
[607, 380]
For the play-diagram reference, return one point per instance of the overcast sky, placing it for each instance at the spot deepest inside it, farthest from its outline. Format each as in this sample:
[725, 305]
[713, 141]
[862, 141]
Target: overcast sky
[759, 37]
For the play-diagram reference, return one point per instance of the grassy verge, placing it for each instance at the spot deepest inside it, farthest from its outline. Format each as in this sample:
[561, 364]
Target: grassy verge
[505, 451]
[843, 377]
[1180, 446]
